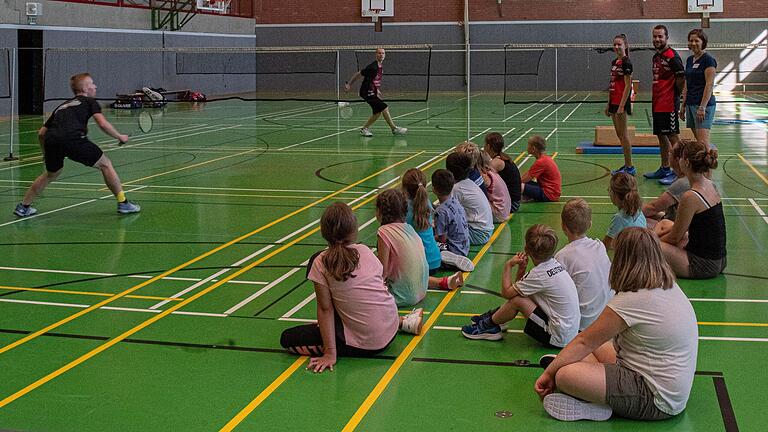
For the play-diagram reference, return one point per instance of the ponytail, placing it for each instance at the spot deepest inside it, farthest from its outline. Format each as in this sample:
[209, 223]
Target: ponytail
[338, 226]
[414, 185]
[624, 187]
[340, 260]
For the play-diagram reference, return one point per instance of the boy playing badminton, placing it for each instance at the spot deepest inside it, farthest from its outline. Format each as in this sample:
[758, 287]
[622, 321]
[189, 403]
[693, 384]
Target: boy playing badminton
[64, 134]
[370, 91]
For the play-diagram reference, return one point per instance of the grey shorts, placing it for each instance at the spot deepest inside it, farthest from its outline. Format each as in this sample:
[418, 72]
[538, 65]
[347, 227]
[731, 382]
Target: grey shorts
[629, 396]
[705, 268]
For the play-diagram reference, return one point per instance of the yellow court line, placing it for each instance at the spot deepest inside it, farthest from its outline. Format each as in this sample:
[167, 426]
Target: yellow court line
[752, 167]
[194, 260]
[263, 395]
[732, 324]
[400, 360]
[89, 293]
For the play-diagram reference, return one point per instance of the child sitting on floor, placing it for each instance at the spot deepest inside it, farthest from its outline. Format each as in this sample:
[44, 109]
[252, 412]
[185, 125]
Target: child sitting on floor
[586, 261]
[498, 195]
[624, 195]
[547, 185]
[402, 254]
[356, 315]
[546, 295]
[466, 192]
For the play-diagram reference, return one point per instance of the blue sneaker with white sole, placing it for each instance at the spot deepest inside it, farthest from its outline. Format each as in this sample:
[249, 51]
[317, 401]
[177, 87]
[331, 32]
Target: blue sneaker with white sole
[625, 169]
[658, 174]
[24, 211]
[484, 329]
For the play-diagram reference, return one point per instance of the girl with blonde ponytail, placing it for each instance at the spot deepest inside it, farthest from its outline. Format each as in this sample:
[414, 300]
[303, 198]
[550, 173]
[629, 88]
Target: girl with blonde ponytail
[624, 195]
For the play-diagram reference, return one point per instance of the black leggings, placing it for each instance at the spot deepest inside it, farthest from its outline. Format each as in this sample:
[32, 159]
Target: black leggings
[309, 336]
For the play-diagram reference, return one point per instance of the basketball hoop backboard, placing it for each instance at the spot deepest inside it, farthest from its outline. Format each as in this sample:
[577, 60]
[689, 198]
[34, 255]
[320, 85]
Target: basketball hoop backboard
[705, 6]
[378, 8]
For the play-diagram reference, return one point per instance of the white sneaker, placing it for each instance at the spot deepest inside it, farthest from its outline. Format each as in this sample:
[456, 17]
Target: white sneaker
[412, 322]
[366, 132]
[459, 261]
[399, 131]
[568, 408]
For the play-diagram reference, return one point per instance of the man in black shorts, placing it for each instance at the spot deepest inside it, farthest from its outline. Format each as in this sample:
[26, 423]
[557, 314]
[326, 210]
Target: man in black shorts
[370, 91]
[64, 134]
[668, 80]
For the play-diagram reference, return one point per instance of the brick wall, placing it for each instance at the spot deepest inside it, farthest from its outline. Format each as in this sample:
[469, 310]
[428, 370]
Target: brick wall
[348, 11]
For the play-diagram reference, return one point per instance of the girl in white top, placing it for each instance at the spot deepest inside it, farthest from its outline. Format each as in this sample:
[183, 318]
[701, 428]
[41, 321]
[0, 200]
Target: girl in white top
[638, 359]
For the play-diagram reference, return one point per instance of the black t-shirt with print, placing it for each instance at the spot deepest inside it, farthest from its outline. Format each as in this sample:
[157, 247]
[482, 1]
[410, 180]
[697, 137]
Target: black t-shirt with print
[70, 119]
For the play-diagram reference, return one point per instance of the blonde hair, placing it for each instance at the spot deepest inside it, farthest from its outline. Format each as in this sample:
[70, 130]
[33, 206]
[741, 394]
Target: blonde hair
[639, 263]
[76, 82]
[540, 242]
[485, 160]
[538, 142]
[338, 226]
[576, 216]
[624, 187]
[414, 185]
[473, 151]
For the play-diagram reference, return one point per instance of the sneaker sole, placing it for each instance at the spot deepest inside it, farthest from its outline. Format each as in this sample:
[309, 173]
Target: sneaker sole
[568, 408]
[460, 262]
[484, 336]
[128, 211]
[24, 215]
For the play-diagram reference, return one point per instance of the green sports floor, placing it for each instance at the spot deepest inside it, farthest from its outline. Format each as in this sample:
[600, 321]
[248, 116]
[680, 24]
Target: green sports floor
[170, 319]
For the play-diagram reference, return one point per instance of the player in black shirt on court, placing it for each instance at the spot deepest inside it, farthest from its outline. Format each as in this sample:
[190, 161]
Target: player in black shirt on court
[371, 93]
[64, 134]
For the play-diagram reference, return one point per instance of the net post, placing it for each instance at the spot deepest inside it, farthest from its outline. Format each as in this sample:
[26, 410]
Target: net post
[467, 70]
[14, 60]
[557, 95]
[338, 79]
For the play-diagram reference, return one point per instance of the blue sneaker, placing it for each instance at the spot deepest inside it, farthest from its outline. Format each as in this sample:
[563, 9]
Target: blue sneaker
[482, 330]
[659, 173]
[625, 169]
[485, 316]
[24, 211]
[668, 179]
[127, 207]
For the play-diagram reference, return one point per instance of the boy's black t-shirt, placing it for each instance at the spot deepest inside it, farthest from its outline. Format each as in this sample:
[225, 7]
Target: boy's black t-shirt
[70, 119]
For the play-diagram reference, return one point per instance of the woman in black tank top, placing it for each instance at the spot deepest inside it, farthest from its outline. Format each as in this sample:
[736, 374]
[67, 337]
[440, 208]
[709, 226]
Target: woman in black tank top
[702, 254]
[503, 164]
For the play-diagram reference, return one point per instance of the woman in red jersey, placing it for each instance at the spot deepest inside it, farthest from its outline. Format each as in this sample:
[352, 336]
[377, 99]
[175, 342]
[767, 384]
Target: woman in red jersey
[619, 101]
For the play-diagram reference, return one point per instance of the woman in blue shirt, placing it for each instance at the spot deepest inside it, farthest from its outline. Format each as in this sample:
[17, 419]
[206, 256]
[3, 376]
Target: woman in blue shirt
[698, 101]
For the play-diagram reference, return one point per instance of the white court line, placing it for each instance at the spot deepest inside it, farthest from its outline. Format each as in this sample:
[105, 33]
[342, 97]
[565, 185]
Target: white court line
[653, 197]
[569, 99]
[459, 329]
[299, 306]
[535, 114]
[527, 108]
[551, 133]
[759, 210]
[518, 138]
[507, 132]
[577, 107]
[258, 293]
[305, 320]
[114, 308]
[734, 339]
[727, 300]
[345, 131]
[84, 273]
[65, 208]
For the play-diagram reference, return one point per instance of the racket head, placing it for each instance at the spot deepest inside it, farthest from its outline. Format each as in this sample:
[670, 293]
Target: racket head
[145, 121]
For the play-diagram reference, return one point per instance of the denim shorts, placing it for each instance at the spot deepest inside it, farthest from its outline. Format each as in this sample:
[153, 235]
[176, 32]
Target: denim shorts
[693, 123]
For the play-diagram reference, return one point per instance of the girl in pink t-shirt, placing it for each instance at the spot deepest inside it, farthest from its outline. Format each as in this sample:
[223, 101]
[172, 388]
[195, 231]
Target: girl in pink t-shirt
[498, 194]
[356, 314]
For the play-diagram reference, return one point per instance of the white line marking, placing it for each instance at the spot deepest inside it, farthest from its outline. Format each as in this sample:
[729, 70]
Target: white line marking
[298, 320]
[459, 329]
[545, 118]
[507, 132]
[551, 133]
[735, 339]
[299, 306]
[577, 107]
[527, 108]
[759, 210]
[84, 273]
[518, 138]
[255, 295]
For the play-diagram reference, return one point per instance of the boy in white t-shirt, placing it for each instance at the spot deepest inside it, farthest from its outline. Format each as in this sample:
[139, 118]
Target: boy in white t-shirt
[586, 261]
[546, 295]
[472, 198]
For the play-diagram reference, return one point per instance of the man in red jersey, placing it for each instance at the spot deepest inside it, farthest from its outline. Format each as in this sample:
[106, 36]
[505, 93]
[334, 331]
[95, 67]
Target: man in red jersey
[668, 80]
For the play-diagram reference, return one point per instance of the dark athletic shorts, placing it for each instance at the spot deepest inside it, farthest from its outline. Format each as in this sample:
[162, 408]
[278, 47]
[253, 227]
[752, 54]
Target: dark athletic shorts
[536, 327]
[627, 108]
[79, 150]
[665, 123]
[629, 396]
[704, 268]
[377, 105]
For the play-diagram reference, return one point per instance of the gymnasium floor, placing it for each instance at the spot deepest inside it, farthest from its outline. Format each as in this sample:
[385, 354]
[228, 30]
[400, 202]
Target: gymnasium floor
[170, 319]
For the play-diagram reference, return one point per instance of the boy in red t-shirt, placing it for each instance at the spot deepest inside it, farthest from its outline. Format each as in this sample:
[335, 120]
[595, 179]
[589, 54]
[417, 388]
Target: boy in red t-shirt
[546, 187]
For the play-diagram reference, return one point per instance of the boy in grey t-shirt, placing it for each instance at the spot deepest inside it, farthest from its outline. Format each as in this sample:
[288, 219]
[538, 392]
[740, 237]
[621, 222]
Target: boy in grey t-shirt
[546, 295]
